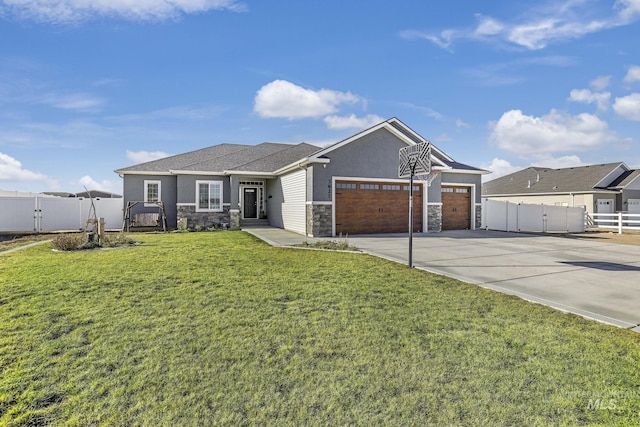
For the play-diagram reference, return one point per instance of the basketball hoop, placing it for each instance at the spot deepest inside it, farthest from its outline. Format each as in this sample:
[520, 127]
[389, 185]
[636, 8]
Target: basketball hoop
[429, 178]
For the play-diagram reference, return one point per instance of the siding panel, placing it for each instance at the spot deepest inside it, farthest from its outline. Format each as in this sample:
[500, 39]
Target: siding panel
[294, 187]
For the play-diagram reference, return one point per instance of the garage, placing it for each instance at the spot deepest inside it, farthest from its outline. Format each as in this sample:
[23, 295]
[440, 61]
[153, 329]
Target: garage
[371, 207]
[456, 208]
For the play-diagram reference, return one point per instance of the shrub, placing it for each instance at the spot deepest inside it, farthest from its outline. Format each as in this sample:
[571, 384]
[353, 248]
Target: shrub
[68, 242]
[73, 242]
[116, 239]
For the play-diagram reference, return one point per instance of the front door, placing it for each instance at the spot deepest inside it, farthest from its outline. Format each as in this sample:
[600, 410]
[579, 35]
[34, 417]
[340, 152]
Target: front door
[250, 203]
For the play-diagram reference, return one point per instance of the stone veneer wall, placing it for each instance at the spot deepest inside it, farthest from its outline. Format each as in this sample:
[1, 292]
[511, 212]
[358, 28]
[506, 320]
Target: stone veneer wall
[478, 217]
[319, 220]
[434, 218]
[204, 219]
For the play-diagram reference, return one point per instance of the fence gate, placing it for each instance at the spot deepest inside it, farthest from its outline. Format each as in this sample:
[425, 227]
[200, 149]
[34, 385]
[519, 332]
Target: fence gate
[41, 214]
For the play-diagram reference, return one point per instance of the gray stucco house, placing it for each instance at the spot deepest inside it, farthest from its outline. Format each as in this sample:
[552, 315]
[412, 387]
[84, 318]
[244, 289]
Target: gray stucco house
[350, 187]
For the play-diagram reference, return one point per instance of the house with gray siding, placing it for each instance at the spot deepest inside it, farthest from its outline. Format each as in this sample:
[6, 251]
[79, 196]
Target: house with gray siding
[350, 187]
[600, 188]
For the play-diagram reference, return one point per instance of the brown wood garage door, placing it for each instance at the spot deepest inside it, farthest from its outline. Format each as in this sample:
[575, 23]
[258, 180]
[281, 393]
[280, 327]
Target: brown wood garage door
[456, 208]
[376, 207]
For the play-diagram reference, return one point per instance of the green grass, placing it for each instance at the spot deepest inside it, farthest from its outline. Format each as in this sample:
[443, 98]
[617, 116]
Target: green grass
[221, 329]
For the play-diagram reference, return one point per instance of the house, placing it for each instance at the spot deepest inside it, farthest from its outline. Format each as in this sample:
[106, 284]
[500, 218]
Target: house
[98, 194]
[604, 188]
[350, 187]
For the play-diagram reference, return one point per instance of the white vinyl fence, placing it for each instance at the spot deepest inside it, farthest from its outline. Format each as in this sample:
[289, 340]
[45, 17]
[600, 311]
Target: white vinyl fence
[619, 221]
[42, 214]
[507, 216]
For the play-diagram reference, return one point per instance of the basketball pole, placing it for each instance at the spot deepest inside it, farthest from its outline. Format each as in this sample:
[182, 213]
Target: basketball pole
[413, 170]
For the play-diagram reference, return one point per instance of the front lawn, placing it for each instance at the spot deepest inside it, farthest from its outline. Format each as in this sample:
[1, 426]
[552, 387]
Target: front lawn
[222, 329]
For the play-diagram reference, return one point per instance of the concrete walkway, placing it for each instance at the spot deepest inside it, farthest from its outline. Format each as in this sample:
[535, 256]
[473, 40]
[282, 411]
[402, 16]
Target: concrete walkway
[596, 280]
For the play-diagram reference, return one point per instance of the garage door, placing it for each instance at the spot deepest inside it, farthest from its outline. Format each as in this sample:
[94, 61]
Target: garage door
[376, 207]
[456, 208]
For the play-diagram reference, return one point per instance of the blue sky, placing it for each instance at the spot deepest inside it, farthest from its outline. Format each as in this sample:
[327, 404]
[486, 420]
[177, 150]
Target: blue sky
[90, 86]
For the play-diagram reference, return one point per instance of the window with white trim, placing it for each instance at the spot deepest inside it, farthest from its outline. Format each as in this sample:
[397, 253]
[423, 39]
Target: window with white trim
[208, 196]
[152, 192]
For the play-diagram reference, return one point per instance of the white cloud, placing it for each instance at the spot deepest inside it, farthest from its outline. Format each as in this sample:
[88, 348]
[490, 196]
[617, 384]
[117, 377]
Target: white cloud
[554, 132]
[283, 99]
[145, 156]
[498, 168]
[600, 83]
[601, 99]
[352, 122]
[541, 26]
[628, 107]
[73, 101]
[557, 162]
[104, 185]
[73, 11]
[461, 124]
[633, 74]
[11, 170]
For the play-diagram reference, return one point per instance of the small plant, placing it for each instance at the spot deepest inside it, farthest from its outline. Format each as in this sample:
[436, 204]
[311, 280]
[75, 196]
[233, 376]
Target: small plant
[334, 245]
[68, 242]
[80, 241]
[115, 240]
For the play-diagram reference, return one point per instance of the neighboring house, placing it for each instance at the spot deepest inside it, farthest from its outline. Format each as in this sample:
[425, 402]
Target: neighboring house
[350, 187]
[98, 194]
[86, 194]
[606, 188]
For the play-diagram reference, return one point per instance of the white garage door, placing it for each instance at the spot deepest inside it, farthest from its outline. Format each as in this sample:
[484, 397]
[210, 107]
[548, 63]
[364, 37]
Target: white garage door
[634, 206]
[294, 207]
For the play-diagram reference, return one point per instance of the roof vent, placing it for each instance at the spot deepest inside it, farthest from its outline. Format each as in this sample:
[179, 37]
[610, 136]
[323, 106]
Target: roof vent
[529, 184]
[538, 178]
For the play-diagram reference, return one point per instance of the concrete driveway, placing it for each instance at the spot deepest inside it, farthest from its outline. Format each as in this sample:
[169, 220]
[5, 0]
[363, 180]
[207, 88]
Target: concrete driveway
[595, 280]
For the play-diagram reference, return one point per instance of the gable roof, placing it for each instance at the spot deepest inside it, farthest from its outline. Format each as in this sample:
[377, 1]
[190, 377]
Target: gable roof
[271, 159]
[439, 159]
[223, 158]
[538, 180]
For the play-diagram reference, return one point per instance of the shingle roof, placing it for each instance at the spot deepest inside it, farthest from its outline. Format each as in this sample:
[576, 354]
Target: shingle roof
[265, 157]
[535, 180]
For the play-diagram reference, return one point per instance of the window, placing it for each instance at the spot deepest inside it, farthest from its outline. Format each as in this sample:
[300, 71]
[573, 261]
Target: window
[391, 187]
[151, 192]
[462, 190]
[446, 190]
[345, 186]
[415, 188]
[370, 187]
[208, 196]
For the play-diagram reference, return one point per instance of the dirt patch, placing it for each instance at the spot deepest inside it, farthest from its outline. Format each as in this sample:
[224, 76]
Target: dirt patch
[629, 237]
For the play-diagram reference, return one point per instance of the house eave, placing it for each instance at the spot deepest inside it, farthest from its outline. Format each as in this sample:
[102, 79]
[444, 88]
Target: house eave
[556, 193]
[148, 173]
[464, 171]
[302, 163]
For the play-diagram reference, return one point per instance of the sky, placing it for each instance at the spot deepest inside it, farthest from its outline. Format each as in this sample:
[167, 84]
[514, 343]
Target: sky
[91, 86]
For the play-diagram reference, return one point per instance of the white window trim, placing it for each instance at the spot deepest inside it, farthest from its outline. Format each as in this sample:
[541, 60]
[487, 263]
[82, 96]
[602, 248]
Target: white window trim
[209, 182]
[147, 203]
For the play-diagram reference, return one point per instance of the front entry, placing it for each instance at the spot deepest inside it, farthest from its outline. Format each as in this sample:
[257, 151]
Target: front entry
[250, 203]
